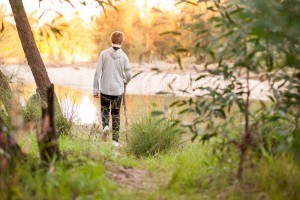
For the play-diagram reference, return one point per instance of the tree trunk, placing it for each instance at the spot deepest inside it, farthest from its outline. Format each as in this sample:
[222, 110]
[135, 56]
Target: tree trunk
[31, 51]
[246, 139]
[5, 92]
[47, 139]
[297, 118]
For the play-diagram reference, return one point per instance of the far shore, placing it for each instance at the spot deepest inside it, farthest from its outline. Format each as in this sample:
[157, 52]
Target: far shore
[152, 79]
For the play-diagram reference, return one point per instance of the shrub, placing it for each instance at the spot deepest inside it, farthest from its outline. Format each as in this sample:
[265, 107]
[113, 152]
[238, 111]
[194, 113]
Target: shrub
[152, 135]
[32, 110]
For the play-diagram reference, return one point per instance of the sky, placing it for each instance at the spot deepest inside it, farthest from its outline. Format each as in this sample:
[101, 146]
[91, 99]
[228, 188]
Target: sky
[86, 12]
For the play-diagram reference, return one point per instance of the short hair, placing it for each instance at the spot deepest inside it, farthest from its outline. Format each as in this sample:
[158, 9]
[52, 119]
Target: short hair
[117, 37]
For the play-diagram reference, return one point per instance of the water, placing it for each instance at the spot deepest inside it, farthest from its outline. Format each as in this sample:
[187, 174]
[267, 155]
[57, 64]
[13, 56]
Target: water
[83, 108]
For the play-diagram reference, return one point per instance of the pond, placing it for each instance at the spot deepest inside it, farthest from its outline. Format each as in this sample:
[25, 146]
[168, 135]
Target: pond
[83, 108]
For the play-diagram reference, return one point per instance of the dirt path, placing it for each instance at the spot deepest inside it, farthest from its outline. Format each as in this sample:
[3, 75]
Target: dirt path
[133, 179]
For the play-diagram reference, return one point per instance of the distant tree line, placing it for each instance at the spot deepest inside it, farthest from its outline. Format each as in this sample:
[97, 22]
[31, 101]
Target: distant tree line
[150, 34]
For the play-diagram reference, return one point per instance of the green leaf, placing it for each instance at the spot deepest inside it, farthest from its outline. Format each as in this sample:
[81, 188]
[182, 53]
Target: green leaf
[207, 137]
[176, 103]
[271, 98]
[187, 110]
[200, 77]
[162, 93]
[181, 50]
[157, 113]
[170, 33]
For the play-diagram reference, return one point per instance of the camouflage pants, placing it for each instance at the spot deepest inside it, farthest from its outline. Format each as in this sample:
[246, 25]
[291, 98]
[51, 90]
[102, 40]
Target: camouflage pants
[111, 104]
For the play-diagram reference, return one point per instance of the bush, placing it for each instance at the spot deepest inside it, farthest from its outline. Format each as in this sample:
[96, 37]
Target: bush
[32, 110]
[152, 135]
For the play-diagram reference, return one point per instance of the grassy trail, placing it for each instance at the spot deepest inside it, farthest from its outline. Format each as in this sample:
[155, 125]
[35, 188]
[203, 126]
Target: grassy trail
[93, 169]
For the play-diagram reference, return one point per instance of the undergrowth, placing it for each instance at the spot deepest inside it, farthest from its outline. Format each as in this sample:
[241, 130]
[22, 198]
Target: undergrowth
[153, 135]
[193, 171]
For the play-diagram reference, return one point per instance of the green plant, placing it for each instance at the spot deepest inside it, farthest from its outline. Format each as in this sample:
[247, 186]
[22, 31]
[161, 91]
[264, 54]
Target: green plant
[245, 39]
[32, 110]
[151, 135]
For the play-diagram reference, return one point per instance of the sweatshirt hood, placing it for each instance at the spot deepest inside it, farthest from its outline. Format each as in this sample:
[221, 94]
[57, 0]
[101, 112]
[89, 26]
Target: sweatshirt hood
[115, 53]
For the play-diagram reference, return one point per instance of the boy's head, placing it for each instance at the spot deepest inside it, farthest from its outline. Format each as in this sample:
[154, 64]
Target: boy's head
[117, 37]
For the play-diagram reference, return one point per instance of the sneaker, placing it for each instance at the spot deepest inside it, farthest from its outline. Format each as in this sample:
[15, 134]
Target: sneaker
[105, 133]
[115, 143]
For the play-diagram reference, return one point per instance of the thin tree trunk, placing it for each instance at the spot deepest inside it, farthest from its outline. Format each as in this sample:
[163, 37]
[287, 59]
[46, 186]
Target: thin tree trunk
[31, 51]
[47, 139]
[246, 139]
[297, 118]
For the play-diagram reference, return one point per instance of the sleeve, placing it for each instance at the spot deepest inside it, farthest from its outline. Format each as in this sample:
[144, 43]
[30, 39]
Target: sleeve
[127, 71]
[97, 76]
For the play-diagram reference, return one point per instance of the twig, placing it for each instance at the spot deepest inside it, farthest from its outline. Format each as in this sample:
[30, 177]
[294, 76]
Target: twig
[125, 113]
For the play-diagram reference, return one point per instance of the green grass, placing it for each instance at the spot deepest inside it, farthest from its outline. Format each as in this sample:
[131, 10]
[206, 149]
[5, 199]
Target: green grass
[190, 171]
[153, 135]
[65, 181]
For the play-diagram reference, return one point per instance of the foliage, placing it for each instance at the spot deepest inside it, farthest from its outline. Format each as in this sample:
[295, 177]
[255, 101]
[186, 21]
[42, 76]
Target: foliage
[66, 182]
[207, 171]
[191, 172]
[8, 39]
[32, 112]
[149, 34]
[63, 124]
[245, 39]
[153, 135]
[65, 41]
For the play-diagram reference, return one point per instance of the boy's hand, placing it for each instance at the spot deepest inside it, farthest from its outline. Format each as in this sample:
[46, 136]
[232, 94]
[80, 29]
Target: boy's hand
[97, 95]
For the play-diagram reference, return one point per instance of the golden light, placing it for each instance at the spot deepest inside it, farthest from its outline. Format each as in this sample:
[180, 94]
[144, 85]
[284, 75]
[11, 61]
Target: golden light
[87, 11]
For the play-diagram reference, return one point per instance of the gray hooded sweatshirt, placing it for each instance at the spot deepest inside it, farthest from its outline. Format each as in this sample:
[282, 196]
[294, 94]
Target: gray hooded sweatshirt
[112, 71]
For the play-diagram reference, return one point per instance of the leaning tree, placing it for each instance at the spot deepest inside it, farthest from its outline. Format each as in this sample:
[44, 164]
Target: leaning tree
[35, 61]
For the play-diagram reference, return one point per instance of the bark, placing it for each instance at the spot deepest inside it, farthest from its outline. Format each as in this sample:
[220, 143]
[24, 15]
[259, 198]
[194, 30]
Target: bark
[246, 140]
[5, 92]
[32, 53]
[297, 118]
[29, 46]
[47, 139]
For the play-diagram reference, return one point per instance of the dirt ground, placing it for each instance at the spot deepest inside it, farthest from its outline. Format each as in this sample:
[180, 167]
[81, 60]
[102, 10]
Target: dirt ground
[133, 179]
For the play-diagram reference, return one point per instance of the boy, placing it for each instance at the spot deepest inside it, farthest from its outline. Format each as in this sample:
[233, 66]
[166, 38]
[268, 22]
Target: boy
[112, 74]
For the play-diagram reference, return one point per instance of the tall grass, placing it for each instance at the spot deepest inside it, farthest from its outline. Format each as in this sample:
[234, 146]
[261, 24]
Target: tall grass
[61, 181]
[203, 171]
[153, 135]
